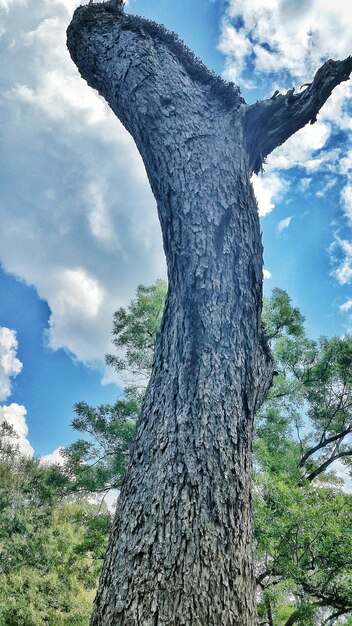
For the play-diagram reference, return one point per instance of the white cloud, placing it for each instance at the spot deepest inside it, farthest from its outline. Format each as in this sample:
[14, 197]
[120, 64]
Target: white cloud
[10, 365]
[55, 458]
[111, 499]
[267, 275]
[76, 294]
[304, 184]
[6, 4]
[302, 149]
[76, 300]
[344, 271]
[15, 415]
[346, 163]
[82, 227]
[336, 109]
[283, 224]
[100, 223]
[287, 36]
[341, 253]
[268, 189]
[235, 45]
[346, 197]
[287, 42]
[346, 306]
[69, 5]
[343, 473]
[328, 185]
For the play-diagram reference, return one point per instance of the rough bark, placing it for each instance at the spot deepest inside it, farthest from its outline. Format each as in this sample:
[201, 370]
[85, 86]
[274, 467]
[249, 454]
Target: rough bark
[181, 547]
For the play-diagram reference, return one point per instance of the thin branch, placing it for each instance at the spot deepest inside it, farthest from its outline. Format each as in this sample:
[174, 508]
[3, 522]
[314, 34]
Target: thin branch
[331, 619]
[269, 611]
[323, 444]
[294, 617]
[327, 463]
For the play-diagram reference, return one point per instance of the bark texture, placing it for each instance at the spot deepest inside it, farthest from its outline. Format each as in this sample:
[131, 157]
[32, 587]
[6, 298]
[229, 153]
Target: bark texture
[180, 552]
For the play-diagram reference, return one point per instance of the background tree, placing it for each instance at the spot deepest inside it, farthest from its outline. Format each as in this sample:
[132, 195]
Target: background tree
[303, 522]
[51, 547]
[200, 143]
[98, 463]
[134, 336]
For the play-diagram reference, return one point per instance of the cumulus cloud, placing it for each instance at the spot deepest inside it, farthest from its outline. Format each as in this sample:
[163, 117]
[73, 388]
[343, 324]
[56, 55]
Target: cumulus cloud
[83, 211]
[304, 149]
[284, 36]
[82, 227]
[283, 224]
[15, 415]
[55, 458]
[6, 4]
[268, 188]
[10, 365]
[281, 44]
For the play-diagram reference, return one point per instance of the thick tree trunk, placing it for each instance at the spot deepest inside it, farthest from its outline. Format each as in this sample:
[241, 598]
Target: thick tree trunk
[181, 547]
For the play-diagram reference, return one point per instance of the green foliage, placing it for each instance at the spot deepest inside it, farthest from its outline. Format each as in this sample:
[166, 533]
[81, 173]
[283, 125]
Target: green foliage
[280, 318]
[312, 391]
[51, 548]
[302, 531]
[134, 332]
[303, 539]
[99, 464]
[303, 522]
[51, 540]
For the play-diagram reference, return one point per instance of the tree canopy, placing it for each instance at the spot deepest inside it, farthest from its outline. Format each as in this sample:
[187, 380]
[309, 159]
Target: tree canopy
[52, 539]
[51, 546]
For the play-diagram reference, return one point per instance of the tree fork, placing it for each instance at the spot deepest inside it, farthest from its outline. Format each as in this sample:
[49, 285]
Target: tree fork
[181, 551]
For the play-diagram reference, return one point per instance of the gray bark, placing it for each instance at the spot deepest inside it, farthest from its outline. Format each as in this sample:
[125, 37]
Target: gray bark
[180, 551]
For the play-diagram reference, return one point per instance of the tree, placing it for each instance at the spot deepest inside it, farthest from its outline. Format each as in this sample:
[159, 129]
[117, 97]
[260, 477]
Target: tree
[51, 547]
[303, 522]
[312, 390]
[303, 536]
[135, 331]
[184, 518]
[99, 463]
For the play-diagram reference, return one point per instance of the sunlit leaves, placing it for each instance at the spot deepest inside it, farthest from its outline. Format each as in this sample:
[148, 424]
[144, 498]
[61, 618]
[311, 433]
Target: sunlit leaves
[51, 547]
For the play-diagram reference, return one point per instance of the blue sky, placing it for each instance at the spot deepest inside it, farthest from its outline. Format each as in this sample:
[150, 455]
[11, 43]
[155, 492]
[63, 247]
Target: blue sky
[79, 229]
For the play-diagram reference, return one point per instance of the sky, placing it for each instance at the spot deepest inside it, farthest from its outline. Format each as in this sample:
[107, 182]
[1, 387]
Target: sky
[79, 228]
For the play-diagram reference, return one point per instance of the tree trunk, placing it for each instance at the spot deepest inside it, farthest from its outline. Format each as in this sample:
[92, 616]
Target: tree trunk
[181, 549]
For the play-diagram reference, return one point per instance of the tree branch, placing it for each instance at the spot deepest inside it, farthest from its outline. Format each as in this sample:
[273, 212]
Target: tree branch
[331, 619]
[294, 617]
[323, 443]
[269, 123]
[268, 610]
[326, 464]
